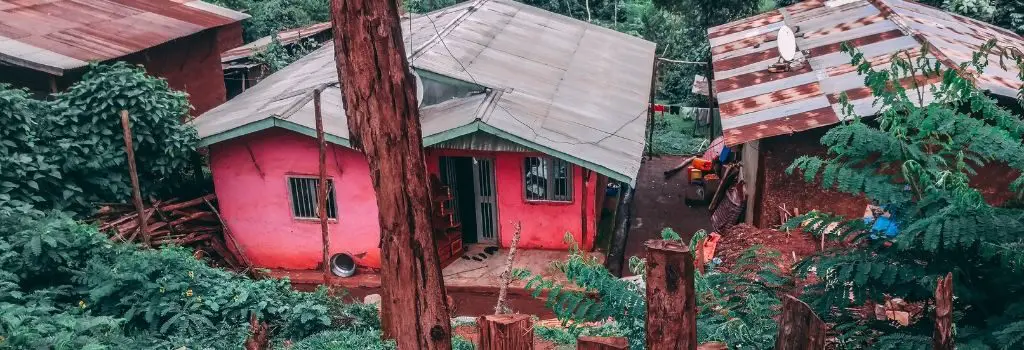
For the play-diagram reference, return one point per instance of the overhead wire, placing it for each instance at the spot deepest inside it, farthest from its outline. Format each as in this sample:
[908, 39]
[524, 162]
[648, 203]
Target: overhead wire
[537, 134]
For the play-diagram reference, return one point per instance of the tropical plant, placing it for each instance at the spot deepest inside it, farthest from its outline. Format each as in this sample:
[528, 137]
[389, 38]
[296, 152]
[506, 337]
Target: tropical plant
[68, 152]
[64, 285]
[277, 56]
[735, 307]
[916, 159]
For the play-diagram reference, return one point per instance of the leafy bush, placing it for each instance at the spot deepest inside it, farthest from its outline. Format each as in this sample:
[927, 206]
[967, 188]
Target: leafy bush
[736, 308]
[917, 158]
[63, 285]
[68, 153]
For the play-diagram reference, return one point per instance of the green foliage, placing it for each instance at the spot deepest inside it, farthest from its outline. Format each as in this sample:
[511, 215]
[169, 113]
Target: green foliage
[272, 16]
[63, 285]
[68, 152]
[1008, 14]
[735, 307]
[276, 56]
[917, 158]
[673, 134]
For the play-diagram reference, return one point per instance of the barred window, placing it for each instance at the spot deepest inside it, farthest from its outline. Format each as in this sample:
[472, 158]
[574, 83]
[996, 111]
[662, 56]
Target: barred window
[547, 179]
[303, 193]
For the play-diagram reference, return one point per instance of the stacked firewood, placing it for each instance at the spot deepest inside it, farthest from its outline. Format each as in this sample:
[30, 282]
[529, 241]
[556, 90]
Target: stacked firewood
[192, 223]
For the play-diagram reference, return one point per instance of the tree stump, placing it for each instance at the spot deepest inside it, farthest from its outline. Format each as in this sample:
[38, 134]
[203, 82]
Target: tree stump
[942, 338]
[602, 343]
[799, 327]
[506, 332]
[671, 306]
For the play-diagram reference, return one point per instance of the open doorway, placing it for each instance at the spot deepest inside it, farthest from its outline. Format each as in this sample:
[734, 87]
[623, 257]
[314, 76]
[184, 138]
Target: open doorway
[471, 180]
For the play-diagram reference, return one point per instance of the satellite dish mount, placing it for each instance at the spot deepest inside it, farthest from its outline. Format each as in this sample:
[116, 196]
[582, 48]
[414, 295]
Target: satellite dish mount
[789, 57]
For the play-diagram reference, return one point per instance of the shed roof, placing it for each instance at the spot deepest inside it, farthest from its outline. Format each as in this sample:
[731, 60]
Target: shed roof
[757, 104]
[57, 35]
[285, 37]
[554, 84]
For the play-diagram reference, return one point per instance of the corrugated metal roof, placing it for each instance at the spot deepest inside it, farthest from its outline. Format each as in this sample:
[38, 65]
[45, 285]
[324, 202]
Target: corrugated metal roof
[556, 84]
[756, 103]
[285, 37]
[57, 35]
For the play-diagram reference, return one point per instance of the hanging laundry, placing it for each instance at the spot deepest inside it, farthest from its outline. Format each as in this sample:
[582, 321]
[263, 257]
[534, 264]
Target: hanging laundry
[674, 110]
[659, 108]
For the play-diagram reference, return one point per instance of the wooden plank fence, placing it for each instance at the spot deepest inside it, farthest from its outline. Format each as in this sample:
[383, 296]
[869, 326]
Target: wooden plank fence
[672, 313]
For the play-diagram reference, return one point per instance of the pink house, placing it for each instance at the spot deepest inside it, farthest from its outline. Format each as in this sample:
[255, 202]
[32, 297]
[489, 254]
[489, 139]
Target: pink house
[526, 116]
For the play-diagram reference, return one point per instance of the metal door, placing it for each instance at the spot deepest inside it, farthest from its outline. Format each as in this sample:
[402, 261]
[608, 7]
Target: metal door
[486, 200]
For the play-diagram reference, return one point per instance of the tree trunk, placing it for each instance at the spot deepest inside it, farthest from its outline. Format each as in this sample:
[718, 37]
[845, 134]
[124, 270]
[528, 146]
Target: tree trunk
[799, 327]
[602, 343]
[942, 338]
[384, 122]
[623, 214]
[671, 303]
[506, 332]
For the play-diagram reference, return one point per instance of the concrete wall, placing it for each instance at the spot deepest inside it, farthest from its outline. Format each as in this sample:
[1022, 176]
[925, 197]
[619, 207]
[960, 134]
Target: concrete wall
[252, 193]
[544, 224]
[258, 212]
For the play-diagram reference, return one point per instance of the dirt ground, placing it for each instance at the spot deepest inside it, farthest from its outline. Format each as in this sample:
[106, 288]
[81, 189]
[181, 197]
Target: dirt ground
[658, 203]
[792, 246]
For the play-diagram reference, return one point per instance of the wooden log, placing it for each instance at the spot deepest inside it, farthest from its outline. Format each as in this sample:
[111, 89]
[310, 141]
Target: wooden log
[506, 332]
[671, 304]
[602, 343]
[321, 190]
[190, 217]
[134, 175]
[713, 346]
[228, 237]
[799, 327]
[671, 172]
[942, 338]
[384, 123]
[190, 203]
[727, 175]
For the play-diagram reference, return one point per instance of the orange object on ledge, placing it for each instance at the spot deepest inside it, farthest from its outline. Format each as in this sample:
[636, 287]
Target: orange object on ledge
[702, 164]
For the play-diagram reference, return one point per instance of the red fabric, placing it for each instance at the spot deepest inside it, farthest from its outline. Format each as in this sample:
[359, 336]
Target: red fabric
[659, 108]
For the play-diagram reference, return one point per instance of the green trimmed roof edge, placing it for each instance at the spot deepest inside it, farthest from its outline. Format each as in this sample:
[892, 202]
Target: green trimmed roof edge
[268, 123]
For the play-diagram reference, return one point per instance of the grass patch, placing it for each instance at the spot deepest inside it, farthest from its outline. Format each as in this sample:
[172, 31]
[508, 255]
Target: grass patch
[673, 134]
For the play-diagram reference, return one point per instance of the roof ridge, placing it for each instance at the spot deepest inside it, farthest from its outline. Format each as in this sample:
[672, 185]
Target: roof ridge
[447, 29]
[934, 50]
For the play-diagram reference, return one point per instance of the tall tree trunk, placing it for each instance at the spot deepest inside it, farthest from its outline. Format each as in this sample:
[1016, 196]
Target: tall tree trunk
[384, 122]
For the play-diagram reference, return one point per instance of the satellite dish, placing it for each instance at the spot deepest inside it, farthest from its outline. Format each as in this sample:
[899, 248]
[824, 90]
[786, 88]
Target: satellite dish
[787, 43]
[419, 88]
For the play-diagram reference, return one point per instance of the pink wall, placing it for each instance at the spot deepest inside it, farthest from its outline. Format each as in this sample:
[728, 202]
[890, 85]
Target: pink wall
[543, 224]
[258, 212]
[257, 208]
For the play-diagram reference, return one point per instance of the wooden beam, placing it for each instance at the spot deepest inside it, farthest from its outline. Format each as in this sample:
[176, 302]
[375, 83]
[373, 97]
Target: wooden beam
[321, 200]
[942, 338]
[671, 303]
[133, 173]
[799, 327]
[379, 94]
[602, 343]
[506, 332]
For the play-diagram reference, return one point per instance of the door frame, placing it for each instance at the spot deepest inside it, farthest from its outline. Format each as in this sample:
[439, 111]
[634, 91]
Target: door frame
[484, 219]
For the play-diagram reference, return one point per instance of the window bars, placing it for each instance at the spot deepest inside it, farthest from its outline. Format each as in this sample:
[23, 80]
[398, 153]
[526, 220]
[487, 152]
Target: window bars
[304, 200]
[547, 179]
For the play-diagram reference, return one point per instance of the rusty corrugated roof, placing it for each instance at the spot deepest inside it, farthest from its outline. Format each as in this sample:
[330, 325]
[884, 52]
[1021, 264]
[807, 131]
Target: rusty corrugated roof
[285, 37]
[57, 35]
[756, 103]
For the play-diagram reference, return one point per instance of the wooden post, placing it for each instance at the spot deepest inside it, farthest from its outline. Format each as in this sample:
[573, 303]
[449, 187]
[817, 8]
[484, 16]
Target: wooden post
[671, 304]
[799, 327]
[616, 254]
[602, 343]
[322, 187]
[942, 338]
[379, 95]
[134, 175]
[506, 332]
